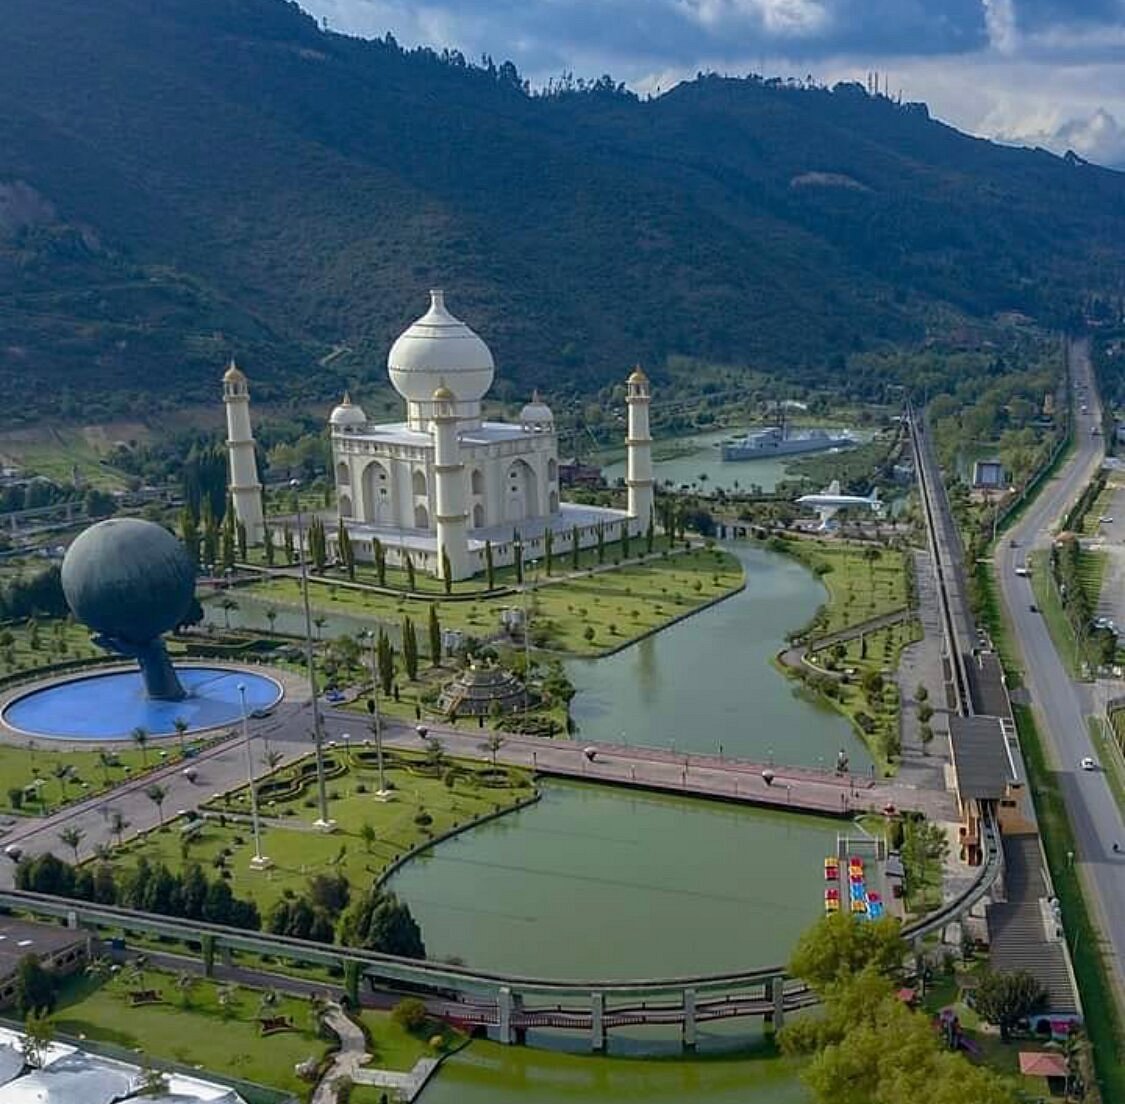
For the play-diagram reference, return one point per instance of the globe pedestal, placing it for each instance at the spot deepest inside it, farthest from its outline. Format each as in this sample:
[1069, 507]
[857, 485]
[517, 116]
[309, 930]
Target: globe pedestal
[261, 862]
[161, 681]
[325, 826]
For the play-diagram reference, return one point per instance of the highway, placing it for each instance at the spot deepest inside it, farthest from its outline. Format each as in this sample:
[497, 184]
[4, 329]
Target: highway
[1055, 697]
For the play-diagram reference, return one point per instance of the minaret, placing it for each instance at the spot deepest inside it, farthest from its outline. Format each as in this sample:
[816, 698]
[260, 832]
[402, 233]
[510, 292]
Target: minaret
[638, 449]
[245, 490]
[450, 514]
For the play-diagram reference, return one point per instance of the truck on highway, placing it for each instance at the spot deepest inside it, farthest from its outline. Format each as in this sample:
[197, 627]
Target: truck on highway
[1022, 571]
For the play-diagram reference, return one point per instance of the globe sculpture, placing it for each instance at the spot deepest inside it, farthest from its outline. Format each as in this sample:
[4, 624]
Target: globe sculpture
[130, 581]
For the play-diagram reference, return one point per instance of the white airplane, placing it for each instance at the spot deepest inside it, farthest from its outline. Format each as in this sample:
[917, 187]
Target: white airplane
[827, 502]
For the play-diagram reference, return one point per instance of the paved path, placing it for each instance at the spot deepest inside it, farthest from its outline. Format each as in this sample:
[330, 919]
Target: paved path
[347, 1060]
[921, 665]
[794, 657]
[1059, 705]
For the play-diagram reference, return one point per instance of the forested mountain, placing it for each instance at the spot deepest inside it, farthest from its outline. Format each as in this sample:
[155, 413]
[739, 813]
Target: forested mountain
[180, 179]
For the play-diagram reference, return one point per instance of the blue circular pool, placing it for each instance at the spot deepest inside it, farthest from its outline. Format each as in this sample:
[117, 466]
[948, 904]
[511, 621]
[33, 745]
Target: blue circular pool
[110, 706]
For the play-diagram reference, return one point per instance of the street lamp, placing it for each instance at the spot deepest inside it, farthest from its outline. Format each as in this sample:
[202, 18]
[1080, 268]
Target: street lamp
[383, 794]
[324, 822]
[259, 861]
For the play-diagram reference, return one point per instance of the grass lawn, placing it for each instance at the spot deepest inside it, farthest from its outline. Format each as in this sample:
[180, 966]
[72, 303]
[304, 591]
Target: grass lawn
[193, 1029]
[28, 646]
[860, 587]
[876, 651]
[586, 615]
[1050, 606]
[1100, 508]
[88, 773]
[300, 851]
[56, 452]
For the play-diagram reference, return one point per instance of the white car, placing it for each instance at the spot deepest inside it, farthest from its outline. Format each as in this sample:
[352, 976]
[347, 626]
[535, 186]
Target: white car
[1088, 763]
[1105, 519]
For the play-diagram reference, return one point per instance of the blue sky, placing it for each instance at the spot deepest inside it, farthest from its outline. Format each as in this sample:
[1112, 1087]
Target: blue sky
[1038, 72]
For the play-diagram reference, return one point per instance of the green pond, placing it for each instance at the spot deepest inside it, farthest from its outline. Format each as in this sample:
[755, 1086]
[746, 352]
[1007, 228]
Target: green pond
[487, 1073]
[599, 882]
[696, 459]
[710, 680]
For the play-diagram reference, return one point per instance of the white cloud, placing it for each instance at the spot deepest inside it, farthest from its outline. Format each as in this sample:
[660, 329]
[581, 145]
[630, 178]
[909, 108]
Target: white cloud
[1000, 20]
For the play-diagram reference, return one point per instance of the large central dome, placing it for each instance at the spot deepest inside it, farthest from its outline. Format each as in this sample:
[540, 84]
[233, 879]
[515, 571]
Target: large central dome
[440, 350]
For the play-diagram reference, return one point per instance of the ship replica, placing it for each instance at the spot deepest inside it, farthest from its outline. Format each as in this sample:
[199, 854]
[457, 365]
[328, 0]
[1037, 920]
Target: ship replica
[782, 440]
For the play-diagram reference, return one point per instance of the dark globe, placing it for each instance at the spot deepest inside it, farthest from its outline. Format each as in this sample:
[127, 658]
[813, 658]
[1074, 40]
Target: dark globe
[129, 579]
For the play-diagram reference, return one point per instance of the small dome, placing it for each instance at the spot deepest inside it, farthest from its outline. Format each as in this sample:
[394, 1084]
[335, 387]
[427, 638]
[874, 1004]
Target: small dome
[536, 413]
[347, 414]
[638, 376]
[233, 374]
[440, 349]
[443, 394]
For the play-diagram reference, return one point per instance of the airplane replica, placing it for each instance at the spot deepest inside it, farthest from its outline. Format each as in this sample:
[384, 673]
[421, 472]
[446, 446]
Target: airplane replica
[828, 502]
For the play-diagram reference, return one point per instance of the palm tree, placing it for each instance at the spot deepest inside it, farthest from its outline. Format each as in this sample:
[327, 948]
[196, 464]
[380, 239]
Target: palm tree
[185, 983]
[62, 772]
[226, 605]
[105, 758]
[72, 837]
[38, 1031]
[319, 621]
[492, 745]
[118, 824]
[181, 726]
[271, 617]
[156, 794]
[99, 969]
[367, 834]
[225, 997]
[137, 970]
[140, 738]
[271, 759]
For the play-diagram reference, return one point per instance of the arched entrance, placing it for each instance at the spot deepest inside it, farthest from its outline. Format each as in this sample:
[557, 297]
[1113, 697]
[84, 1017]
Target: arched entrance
[521, 495]
[378, 495]
[421, 516]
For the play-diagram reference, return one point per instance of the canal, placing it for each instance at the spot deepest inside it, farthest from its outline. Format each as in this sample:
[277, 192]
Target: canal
[709, 681]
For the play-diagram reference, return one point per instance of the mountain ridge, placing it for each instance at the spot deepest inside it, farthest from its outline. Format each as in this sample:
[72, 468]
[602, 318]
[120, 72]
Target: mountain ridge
[247, 182]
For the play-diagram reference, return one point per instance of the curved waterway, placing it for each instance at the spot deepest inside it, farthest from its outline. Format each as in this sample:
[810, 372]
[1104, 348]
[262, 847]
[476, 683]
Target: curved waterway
[710, 680]
[595, 882]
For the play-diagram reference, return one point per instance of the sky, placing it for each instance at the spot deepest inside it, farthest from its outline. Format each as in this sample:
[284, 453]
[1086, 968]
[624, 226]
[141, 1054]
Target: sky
[1032, 72]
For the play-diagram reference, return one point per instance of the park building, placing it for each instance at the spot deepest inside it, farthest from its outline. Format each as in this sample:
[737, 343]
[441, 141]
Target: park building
[445, 480]
[445, 483]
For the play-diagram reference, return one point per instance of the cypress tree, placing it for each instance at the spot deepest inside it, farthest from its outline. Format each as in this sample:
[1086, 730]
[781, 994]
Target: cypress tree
[574, 550]
[267, 544]
[189, 532]
[240, 536]
[601, 542]
[517, 555]
[290, 551]
[385, 657]
[380, 554]
[409, 649]
[625, 540]
[409, 565]
[489, 565]
[347, 553]
[446, 572]
[435, 635]
[549, 550]
[650, 532]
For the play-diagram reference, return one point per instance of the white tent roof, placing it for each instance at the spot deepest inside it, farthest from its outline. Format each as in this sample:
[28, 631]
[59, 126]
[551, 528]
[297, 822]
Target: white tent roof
[75, 1079]
[11, 1062]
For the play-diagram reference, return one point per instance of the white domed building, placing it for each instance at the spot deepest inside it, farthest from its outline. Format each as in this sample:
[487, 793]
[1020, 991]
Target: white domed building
[446, 481]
